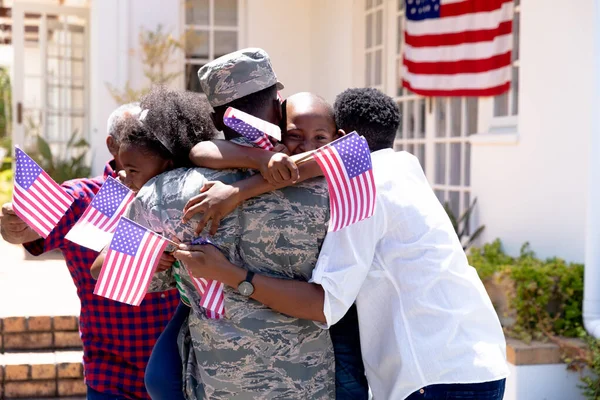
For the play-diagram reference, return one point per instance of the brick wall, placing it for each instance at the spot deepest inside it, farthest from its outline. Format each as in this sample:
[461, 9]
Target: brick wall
[40, 357]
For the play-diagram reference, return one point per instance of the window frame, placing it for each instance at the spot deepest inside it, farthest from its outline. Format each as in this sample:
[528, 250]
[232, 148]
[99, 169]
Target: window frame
[423, 145]
[211, 28]
[503, 129]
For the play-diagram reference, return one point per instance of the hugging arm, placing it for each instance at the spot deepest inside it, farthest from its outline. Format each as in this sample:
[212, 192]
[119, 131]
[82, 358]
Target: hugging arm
[274, 166]
[216, 199]
[294, 298]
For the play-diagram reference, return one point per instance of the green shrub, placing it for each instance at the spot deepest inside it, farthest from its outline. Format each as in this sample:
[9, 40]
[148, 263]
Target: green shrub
[548, 294]
[6, 184]
[62, 168]
[547, 298]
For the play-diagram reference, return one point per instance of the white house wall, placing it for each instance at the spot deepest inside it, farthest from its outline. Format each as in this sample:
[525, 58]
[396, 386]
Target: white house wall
[310, 42]
[114, 56]
[283, 29]
[535, 190]
[333, 41]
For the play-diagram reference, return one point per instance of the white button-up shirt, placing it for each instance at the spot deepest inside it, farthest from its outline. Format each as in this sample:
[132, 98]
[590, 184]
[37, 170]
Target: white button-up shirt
[424, 315]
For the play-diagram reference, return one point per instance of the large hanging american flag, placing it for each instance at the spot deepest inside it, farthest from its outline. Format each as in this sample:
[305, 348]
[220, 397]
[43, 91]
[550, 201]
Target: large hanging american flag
[37, 199]
[346, 163]
[95, 227]
[130, 262]
[252, 127]
[457, 47]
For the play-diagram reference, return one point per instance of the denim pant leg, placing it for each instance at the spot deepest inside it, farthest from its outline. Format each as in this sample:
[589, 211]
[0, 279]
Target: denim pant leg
[163, 377]
[493, 390]
[350, 379]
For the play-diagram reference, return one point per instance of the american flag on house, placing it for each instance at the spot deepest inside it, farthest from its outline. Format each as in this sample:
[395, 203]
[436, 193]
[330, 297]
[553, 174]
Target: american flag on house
[95, 227]
[130, 262]
[457, 47]
[251, 127]
[346, 164]
[37, 199]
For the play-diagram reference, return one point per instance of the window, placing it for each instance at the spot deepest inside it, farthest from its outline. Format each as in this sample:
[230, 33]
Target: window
[212, 30]
[411, 133]
[374, 44]
[507, 104]
[434, 130]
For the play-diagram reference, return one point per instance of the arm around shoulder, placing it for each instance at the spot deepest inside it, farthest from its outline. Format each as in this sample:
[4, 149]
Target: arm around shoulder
[222, 154]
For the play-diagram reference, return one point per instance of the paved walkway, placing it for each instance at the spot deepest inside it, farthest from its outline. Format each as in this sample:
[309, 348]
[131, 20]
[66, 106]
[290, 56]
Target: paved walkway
[35, 286]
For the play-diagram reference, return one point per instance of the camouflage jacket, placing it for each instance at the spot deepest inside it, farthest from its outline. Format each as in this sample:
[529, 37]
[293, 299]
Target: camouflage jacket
[255, 352]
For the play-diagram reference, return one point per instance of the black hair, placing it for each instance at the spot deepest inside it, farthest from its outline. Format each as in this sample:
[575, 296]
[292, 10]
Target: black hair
[252, 103]
[178, 120]
[370, 113]
[133, 132]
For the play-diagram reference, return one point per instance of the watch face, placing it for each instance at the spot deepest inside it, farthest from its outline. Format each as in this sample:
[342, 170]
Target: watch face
[245, 288]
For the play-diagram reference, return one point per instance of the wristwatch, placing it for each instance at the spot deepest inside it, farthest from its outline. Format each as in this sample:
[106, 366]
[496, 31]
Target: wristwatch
[246, 288]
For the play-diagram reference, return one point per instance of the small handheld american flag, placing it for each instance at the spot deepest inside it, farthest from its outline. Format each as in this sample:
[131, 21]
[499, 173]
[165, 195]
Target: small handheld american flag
[130, 262]
[251, 127]
[346, 164]
[95, 227]
[211, 291]
[37, 199]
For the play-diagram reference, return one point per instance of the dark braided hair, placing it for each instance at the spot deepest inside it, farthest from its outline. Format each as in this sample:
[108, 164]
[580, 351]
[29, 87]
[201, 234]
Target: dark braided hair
[174, 122]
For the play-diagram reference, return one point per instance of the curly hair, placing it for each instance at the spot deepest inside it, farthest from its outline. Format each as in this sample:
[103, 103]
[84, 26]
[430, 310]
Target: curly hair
[370, 113]
[177, 120]
[133, 132]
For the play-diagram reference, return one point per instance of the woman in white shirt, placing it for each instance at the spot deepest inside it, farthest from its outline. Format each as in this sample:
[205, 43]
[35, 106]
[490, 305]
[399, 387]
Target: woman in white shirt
[428, 328]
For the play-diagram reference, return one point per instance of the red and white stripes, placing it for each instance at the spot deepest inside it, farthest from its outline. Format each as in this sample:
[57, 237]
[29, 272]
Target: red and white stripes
[466, 51]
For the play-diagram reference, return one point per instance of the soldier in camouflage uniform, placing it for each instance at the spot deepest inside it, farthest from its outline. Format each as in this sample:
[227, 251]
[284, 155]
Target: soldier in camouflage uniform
[254, 352]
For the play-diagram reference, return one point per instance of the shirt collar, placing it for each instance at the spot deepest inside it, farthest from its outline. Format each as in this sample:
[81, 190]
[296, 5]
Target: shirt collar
[109, 169]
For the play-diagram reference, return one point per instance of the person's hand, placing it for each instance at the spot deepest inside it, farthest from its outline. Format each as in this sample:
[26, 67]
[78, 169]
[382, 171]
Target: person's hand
[203, 261]
[215, 201]
[279, 168]
[165, 262]
[13, 229]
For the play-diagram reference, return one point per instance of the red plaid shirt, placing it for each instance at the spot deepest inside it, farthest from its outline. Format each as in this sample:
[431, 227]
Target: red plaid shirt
[117, 338]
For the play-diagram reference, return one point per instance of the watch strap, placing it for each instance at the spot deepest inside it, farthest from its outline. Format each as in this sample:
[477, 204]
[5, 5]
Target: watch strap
[249, 277]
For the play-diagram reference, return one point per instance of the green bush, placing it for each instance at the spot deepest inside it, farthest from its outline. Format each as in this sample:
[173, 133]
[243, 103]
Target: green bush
[547, 298]
[6, 184]
[62, 168]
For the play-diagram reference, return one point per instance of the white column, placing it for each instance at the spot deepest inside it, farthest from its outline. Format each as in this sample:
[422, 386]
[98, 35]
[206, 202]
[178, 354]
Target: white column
[109, 41]
[591, 302]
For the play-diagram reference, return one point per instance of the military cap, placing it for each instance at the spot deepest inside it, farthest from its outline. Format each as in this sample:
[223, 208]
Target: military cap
[236, 75]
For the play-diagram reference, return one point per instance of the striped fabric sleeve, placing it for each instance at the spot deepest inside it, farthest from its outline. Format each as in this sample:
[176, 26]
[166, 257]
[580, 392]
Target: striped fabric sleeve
[177, 276]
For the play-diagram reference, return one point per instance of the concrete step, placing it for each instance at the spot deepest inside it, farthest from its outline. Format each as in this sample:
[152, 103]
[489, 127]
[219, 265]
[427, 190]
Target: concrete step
[49, 288]
[41, 375]
[39, 333]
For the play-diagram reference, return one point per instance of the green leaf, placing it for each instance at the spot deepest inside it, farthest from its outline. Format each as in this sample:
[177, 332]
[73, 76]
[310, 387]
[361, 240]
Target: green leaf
[467, 214]
[44, 151]
[451, 216]
[81, 143]
[72, 139]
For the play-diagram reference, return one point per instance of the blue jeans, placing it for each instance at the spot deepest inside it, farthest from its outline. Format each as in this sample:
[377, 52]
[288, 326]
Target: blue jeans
[461, 391]
[163, 377]
[96, 395]
[350, 380]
